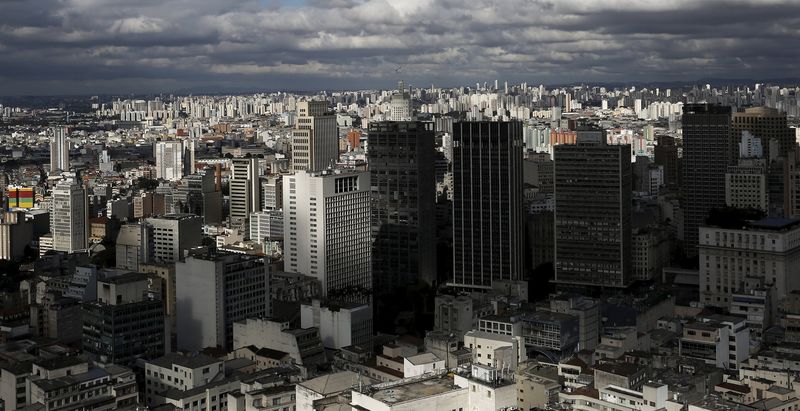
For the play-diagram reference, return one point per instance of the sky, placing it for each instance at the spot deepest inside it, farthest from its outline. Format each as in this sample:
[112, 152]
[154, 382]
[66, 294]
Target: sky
[85, 47]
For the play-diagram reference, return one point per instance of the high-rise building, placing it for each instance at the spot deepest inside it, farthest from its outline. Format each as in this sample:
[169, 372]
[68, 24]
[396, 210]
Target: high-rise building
[769, 125]
[266, 226]
[666, 155]
[315, 138]
[69, 217]
[593, 184]
[189, 149]
[327, 230]
[245, 190]
[125, 323]
[169, 160]
[488, 222]
[173, 235]
[271, 192]
[708, 150]
[400, 104]
[214, 290]
[746, 185]
[59, 150]
[198, 195]
[403, 193]
[134, 246]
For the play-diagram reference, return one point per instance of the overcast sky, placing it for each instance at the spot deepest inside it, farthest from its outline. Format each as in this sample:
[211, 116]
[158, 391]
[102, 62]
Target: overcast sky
[109, 46]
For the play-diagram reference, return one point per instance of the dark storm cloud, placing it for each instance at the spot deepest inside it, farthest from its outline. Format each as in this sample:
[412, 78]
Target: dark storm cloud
[94, 46]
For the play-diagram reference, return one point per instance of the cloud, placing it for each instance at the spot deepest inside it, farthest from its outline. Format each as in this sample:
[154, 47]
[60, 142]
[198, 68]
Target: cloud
[107, 46]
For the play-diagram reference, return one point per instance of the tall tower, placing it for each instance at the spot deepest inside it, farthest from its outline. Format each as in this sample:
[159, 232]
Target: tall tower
[327, 230]
[708, 150]
[245, 190]
[593, 184]
[400, 104]
[69, 217]
[169, 160]
[315, 138]
[487, 203]
[403, 189]
[59, 150]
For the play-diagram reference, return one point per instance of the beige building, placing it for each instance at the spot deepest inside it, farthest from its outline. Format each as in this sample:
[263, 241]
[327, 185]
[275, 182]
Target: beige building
[746, 185]
[315, 138]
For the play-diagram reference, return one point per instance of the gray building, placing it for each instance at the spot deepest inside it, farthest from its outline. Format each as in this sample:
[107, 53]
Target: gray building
[214, 290]
[403, 200]
[134, 246]
[174, 234]
[315, 138]
[708, 150]
[245, 190]
[487, 203]
[69, 217]
[125, 323]
[593, 212]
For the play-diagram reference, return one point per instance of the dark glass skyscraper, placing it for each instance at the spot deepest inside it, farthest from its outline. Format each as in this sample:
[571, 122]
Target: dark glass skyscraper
[708, 150]
[593, 187]
[487, 203]
[403, 190]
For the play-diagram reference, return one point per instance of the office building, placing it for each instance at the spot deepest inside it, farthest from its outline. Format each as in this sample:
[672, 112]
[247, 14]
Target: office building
[722, 341]
[245, 190]
[169, 160]
[327, 230]
[214, 290]
[125, 323]
[339, 325]
[198, 194]
[487, 203]
[69, 217]
[16, 234]
[593, 212]
[768, 250]
[708, 150]
[271, 192]
[173, 235]
[746, 185]
[315, 138]
[266, 226]
[59, 150]
[770, 126]
[403, 193]
[134, 246]
[666, 155]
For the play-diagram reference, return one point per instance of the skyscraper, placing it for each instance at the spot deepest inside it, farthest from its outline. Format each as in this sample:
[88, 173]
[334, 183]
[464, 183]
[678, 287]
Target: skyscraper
[593, 184]
[401, 157]
[708, 150]
[666, 155]
[173, 234]
[327, 230]
[487, 203]
[245, 190]
[59, 150]
[169, 160]
[315, 138]
[69, 217]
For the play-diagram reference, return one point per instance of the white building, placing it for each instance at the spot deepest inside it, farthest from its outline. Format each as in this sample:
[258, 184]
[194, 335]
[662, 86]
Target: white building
[723, 341]
[420, 364]
[327, 228]
[768, 249]
[339, 325]
[174, 371]
[493, 350]
[326, 386]
[59, 150]
[169, 160]
[69, 217]
[315, 138]
[400, 105]
[215, 290]
[653, 397]
[303, 345]
[266, 226]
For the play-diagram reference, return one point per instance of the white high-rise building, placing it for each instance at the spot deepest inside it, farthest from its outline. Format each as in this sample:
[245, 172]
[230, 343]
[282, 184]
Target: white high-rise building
[400, 105]
[69, 217]
[266, 226]
[173, 235]
[169, 160]
[245, 190]
[315, 138]
[59, 150]
[327, 228]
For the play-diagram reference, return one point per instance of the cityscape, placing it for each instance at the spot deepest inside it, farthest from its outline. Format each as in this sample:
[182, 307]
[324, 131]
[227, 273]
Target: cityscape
[366, 205]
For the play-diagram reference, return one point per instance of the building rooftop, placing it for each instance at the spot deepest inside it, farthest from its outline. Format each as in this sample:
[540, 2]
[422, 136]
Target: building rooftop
[333, 383]
[424, 358]
[408, 390]
[184, 361]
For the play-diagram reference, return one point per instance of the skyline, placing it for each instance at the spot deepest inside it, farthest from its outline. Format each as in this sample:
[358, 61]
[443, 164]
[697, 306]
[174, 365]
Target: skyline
[81, 47]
